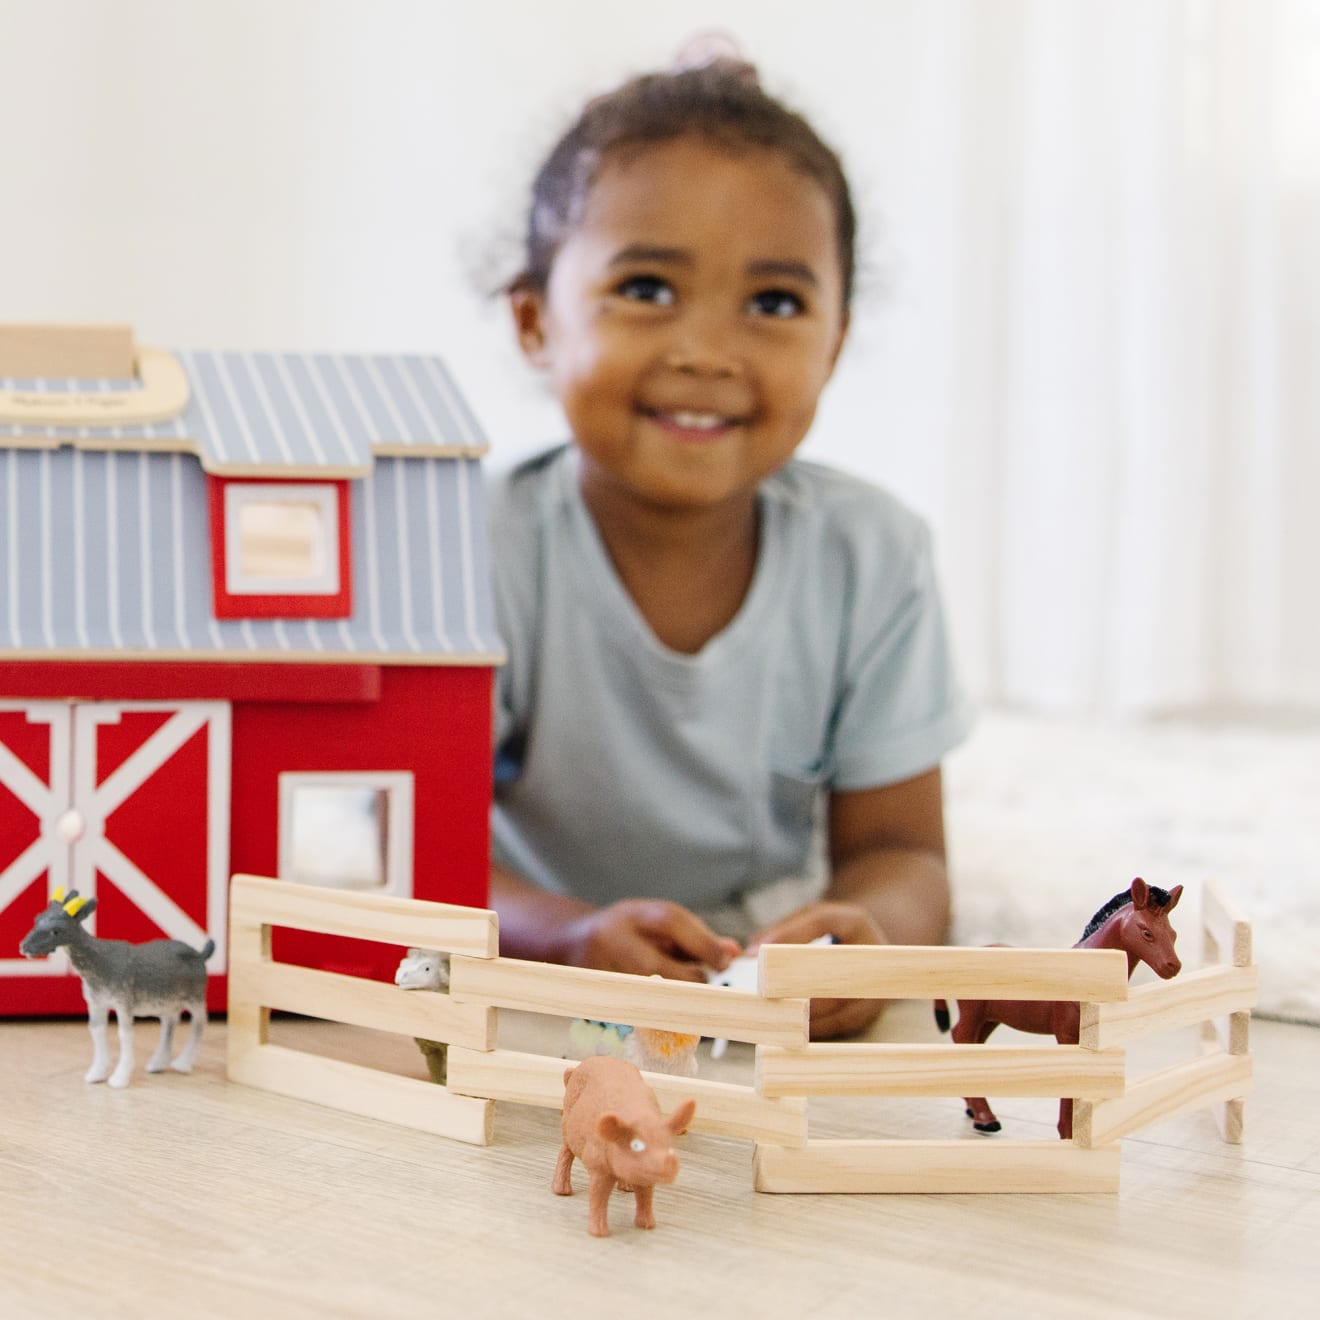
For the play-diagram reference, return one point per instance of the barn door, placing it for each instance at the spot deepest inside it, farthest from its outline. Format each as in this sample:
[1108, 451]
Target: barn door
[127, 801]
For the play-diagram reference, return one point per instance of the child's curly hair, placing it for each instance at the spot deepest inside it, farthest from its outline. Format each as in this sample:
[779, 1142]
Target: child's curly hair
[721, 101]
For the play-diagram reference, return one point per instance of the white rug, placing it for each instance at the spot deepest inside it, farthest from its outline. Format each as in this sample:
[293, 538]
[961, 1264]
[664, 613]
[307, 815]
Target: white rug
[1047, 819]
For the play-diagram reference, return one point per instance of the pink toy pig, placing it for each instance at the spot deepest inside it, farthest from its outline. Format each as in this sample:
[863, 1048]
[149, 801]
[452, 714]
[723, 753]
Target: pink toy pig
[613, 1124]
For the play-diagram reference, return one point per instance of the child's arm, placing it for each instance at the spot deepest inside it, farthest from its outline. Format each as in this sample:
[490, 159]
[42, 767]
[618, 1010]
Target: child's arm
[888, 885]
[641, 935]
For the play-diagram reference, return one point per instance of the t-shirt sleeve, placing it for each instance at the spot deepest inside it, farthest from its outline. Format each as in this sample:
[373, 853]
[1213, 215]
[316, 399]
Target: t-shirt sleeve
[900, 708]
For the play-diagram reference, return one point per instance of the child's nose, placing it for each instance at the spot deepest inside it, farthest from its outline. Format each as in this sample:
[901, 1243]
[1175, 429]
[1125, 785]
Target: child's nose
[703, 349]
[691, 361]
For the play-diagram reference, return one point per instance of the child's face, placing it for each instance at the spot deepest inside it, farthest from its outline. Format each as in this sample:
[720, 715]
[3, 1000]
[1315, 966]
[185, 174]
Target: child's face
[691, 320]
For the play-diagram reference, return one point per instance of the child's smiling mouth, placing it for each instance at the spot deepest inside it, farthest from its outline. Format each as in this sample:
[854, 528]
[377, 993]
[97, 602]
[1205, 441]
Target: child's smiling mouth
[693, 423]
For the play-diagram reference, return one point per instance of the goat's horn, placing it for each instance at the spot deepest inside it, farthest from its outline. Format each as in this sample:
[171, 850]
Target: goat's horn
[74, 906]
[58, 895]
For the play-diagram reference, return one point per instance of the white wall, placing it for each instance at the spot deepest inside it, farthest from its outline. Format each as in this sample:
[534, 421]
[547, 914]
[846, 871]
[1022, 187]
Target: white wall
[349, 175]
[1085, 337]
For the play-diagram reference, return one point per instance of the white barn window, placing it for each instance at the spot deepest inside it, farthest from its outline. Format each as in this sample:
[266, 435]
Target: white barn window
[281, 540]
[347, 830]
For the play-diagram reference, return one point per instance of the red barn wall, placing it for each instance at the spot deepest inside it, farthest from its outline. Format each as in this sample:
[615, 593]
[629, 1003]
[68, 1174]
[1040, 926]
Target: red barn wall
[434, 721]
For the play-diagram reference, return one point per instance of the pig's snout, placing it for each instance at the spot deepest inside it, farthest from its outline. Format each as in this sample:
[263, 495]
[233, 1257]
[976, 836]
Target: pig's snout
[668, 1168]
[654, 1168]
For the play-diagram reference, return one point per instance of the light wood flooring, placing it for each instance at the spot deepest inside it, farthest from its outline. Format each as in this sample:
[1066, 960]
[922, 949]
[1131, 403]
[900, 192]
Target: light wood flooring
[189, 1196]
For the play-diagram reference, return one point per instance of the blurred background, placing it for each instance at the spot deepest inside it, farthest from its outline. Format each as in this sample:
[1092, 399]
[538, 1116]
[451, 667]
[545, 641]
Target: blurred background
[1086, 344]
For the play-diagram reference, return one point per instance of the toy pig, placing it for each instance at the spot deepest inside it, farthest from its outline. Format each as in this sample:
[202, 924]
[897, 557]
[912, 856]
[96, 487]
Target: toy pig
[613, 1124]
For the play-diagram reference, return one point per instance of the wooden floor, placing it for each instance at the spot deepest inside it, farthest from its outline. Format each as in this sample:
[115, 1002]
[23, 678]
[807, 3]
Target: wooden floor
[188, 1196]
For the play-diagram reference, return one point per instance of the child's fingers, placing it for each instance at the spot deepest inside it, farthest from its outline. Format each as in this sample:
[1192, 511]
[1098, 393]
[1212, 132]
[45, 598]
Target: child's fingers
[689, 938]
[831, 1018]
[650, 938]
[848, 924]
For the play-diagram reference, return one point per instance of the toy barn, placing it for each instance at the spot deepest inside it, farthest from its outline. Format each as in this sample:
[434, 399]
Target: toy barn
[242, 596]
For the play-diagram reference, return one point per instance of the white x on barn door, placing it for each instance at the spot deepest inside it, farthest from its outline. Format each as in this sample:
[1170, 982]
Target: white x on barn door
[72, 843]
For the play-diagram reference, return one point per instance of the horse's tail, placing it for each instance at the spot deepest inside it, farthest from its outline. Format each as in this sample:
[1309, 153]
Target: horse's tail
[942, 1014]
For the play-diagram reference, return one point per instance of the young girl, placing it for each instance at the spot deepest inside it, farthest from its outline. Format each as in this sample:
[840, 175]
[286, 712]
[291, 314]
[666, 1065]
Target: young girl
[707, 638]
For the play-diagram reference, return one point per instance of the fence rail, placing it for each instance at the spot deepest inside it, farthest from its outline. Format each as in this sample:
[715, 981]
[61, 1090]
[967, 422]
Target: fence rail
[900, 971]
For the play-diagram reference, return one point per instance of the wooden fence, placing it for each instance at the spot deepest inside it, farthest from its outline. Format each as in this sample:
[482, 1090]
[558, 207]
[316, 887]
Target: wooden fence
[877, 1069]
[479, 982]
[772, 1112]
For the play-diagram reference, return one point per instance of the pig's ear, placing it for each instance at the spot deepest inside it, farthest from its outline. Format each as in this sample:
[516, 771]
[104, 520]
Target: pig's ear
[681, 1117]
[613, 1129]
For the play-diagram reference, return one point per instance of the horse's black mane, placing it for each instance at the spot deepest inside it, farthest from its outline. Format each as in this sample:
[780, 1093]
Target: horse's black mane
[1158, 897]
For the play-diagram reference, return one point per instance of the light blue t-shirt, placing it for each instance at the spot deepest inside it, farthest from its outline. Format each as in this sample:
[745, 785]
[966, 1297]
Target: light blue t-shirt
[625, 769]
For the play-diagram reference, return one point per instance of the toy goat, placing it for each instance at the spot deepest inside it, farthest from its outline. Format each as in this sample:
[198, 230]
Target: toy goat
[1135, 921]
[161, 978]
[613, 1124]
[425, 969]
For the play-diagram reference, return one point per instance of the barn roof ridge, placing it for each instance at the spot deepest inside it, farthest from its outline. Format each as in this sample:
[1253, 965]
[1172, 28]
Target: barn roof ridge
[268, 414]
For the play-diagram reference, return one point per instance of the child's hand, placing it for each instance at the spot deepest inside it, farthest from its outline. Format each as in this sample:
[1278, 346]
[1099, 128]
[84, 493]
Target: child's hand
[649, 937]
[849, 924]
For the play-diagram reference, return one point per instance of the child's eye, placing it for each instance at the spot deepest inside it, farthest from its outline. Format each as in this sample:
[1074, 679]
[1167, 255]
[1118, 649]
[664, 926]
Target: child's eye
[776, 302]
[647, 289]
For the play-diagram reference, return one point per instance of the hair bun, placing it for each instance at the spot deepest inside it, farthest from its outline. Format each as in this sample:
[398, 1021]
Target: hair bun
[714, 47]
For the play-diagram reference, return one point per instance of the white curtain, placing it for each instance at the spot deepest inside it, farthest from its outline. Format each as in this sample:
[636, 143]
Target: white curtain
[1093, 358]
[1106, 347]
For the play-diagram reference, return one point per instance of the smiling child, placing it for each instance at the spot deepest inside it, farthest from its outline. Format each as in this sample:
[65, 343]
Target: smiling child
[715, 648]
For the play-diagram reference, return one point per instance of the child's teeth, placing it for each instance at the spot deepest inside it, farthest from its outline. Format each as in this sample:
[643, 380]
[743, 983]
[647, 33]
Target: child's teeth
[697, 421]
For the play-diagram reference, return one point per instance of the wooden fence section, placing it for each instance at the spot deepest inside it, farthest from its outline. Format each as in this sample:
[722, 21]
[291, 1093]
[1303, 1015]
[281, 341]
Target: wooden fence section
[367, 916]
[1226, 938]
[723, 1109]
[1219, 997]
[1172, 1091]
[936, 1166]
[895, 971]
[257, 985]
[773, 1111]
[908, 1070]
[465, 1019]
[1190, 998]
[640, 1001]
[969, 1165]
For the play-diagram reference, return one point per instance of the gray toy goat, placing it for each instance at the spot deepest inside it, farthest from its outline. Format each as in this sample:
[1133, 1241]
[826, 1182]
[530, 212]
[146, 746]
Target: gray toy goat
[161, 978]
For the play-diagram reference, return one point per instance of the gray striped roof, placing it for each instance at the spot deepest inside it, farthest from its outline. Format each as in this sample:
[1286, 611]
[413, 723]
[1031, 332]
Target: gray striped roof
[108, 554]
[282, 414]
[105, 549]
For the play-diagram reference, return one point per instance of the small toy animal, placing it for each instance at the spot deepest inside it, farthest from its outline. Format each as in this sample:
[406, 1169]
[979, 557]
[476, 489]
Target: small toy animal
[425, 969]
[650, 1048]
[654, 1050]
[613, 1124]
[588, 1037]
[741, 974]
[1136, 921]
[161, 978]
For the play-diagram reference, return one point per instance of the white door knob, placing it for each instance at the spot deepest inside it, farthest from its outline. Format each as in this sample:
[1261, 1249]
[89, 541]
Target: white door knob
[71, 826]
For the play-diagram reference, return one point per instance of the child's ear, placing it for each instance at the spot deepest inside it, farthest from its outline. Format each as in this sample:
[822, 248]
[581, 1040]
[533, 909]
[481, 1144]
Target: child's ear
[528, 307]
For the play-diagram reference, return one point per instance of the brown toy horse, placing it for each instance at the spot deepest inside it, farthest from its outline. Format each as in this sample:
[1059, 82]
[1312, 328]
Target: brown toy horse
[1135, 921]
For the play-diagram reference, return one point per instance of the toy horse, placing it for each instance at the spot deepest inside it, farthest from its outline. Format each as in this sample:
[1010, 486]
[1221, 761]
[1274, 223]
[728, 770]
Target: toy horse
[1135, 921]
[161, 978]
